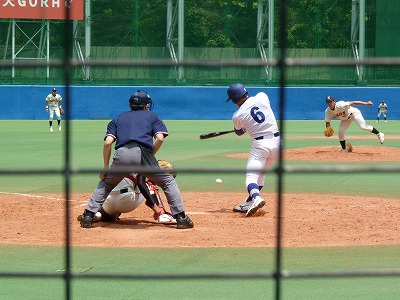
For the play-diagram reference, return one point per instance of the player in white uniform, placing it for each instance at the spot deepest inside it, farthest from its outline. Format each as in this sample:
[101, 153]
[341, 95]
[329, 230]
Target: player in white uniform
[127, 196]
[382, 109]
[345, 111]
[53, 105]
[255, 116]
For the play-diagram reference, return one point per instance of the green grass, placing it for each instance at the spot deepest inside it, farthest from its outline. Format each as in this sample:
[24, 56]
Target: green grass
[28, 144]
[50, 260]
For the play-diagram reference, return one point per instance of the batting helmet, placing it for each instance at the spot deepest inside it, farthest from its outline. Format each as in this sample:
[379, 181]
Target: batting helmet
[235, 92]
[140, 99]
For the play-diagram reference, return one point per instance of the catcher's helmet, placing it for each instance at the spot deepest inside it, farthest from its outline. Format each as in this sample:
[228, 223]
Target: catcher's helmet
[235, 92]
[140, 99]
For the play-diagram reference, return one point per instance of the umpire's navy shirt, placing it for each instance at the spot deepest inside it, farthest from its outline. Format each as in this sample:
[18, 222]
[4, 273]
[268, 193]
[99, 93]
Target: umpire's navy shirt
[136, 126]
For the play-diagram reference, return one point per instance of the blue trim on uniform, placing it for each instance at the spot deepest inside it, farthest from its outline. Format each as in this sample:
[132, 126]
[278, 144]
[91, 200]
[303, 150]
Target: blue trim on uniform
[239, 131]
[276, 134]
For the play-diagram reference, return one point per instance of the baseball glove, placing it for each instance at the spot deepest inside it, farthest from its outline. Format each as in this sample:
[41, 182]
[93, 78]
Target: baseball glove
[61, 111]
[329, 131]
[167, 166]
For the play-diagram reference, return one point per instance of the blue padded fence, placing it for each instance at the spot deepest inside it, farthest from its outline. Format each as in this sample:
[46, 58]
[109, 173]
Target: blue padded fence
[187, 103]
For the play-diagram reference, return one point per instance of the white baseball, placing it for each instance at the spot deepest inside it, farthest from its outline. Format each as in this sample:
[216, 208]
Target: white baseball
[218, 181]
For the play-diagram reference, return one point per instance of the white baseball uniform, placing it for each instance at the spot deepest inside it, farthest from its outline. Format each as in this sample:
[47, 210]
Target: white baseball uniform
[382, 109]
[346, 114]
[255, 116]
[53, 102]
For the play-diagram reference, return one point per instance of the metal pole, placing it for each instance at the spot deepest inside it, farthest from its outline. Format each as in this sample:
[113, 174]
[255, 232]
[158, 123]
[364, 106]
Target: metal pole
[362, 37]
[88, 37]
[271, 24]
[181, 42]
[48, 48]
[13, 48]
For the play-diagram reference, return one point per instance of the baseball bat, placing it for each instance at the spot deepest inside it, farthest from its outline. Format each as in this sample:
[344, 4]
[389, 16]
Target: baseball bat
[215, 134]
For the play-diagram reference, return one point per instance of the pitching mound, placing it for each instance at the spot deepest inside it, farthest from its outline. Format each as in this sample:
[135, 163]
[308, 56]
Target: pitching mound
[329, 153]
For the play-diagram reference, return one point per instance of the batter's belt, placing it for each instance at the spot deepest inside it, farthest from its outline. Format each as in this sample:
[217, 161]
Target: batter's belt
[268, 136]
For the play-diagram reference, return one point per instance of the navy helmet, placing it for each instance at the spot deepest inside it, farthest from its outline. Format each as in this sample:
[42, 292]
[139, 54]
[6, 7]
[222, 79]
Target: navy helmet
[235, 92]
[140, 99]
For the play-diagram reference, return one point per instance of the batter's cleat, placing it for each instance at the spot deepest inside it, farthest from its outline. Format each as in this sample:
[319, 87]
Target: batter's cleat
[59, 127]
[344, 150]
[51, 129]
[86, 221]
[244, 207]
[183, 222]
[381, 137]
[166, 218]
[258, 202]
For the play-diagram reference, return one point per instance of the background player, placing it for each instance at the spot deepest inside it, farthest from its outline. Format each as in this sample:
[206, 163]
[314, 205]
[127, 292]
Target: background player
[53, 105]
[345, 111]
[382, 109]
[256, 117]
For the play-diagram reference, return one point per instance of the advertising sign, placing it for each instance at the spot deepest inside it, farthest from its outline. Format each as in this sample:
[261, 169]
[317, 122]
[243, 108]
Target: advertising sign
[41, 9]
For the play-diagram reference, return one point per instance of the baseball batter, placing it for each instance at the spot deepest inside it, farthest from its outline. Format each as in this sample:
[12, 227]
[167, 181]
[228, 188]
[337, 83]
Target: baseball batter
[345, 111]
[127, 196]
[382, 109]
[53, 105]
[255, 116]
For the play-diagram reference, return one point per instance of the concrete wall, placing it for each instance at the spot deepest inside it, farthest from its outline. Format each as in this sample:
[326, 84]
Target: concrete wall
[187, 103]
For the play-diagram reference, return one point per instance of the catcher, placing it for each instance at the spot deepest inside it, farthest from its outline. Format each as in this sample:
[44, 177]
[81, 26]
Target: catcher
[53, 105]
[130, 193]
[345, 111]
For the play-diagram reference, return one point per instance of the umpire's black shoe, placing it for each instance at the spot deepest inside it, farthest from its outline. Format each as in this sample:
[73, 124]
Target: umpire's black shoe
[86, 221]
[183, 221]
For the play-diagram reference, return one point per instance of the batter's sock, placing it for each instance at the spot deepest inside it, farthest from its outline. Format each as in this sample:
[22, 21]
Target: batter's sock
[254, 190]
[249, 198]
[374, 130]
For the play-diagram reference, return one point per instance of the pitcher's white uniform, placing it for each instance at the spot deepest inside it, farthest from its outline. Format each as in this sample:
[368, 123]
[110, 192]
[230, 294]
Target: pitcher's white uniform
[346, 114]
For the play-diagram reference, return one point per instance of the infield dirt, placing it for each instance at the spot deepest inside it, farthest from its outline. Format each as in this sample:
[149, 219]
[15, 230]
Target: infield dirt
[307, 219]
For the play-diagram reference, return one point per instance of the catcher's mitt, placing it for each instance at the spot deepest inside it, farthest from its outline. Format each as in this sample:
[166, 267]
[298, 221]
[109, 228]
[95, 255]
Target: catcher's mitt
[61, 111]
[329, 131]
[167, 166]
[349, 147]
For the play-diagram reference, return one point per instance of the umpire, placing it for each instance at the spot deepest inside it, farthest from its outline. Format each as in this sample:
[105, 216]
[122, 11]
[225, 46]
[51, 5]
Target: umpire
[133, 132]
